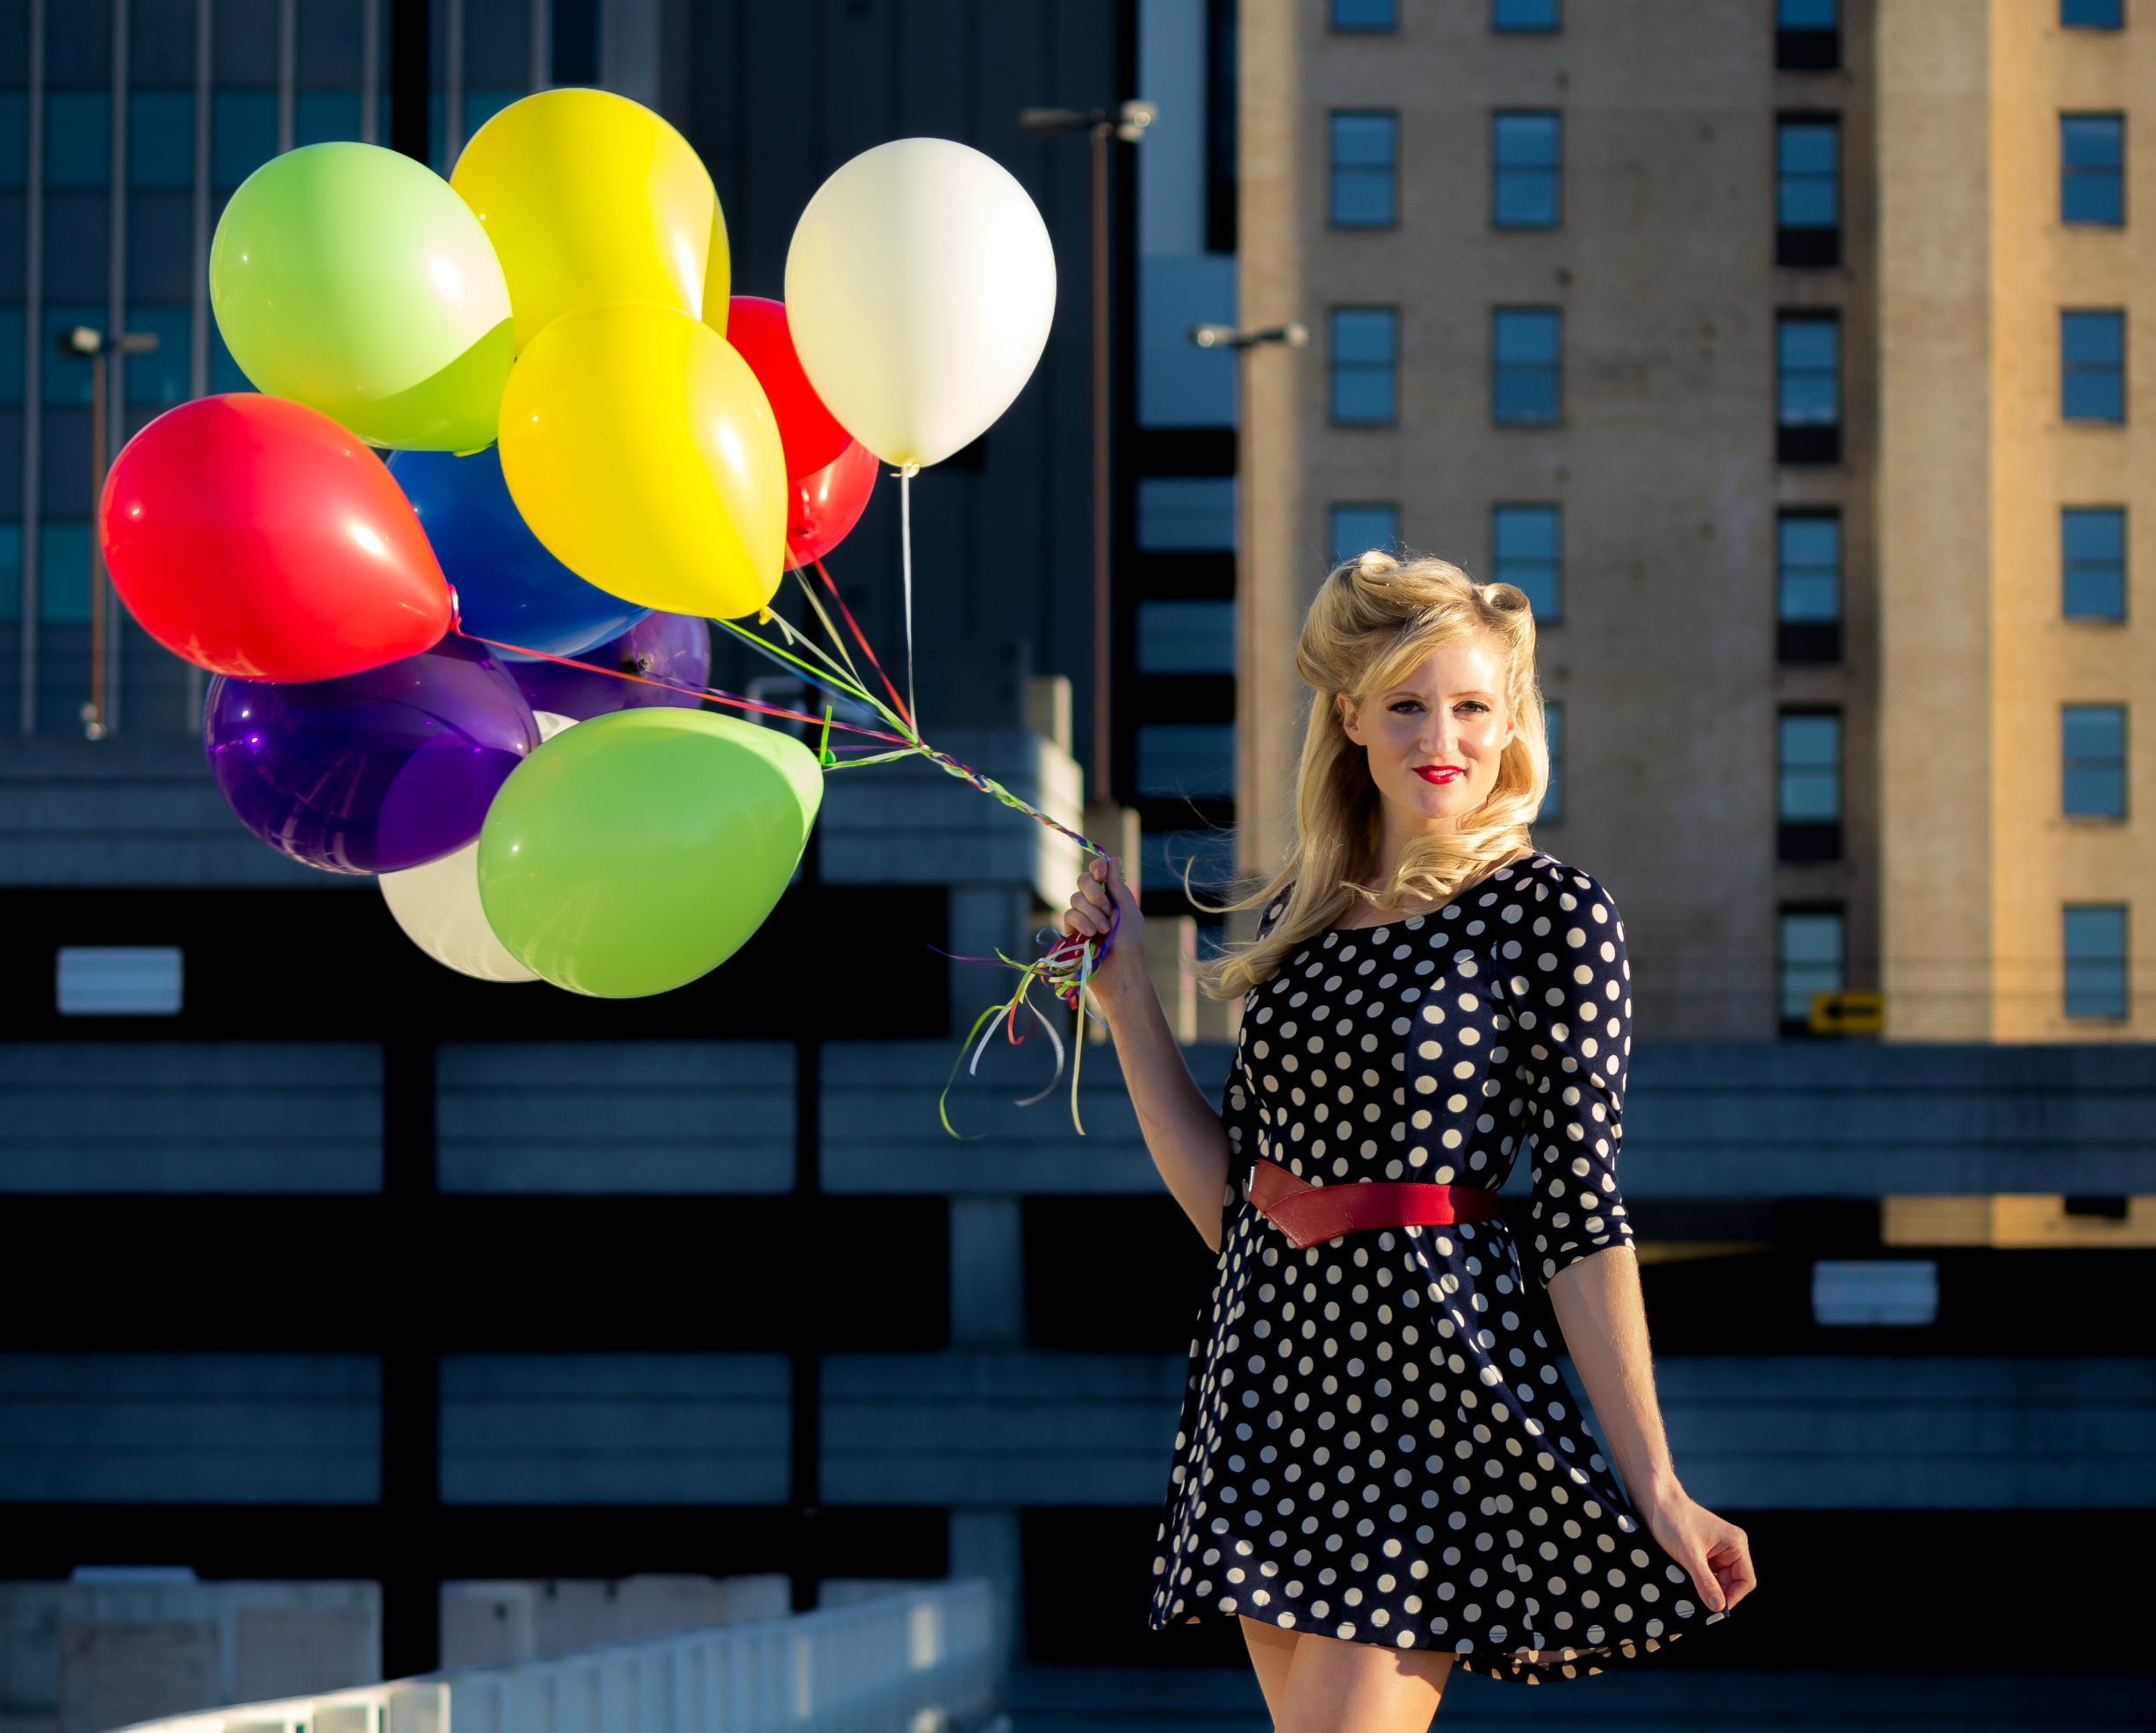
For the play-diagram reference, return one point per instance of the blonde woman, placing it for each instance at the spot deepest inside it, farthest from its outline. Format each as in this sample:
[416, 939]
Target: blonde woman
[1378, 1469]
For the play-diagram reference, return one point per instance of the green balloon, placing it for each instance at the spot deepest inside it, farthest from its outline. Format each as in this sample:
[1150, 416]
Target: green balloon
[635, 852]
[357, 281]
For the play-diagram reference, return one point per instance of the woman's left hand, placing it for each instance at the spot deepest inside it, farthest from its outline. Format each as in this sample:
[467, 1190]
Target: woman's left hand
[1716, 1551]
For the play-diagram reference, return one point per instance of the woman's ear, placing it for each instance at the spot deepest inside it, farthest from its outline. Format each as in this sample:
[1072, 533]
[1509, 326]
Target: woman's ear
[1345, 708]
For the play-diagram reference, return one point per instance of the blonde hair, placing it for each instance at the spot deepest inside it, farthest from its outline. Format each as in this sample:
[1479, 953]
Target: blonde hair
[1372, 620]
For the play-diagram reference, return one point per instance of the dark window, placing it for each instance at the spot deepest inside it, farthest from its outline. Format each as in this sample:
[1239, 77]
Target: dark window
[1187, 759]
[2092, 364]
[242, 134]
[1526, 550]
[159, 379]
[1366, 162]
[1176, 637]
[1359, 525]
[1808, 584]
[78, 139]
[1365, 15]
[1535, 15]
[1807, 171]
[1366, 365]
[1808, 35]
[1810, 959]
[2092, 14]
[2092, 777]
[2094, 944]
[1808, 386]
[1526, 153]
[2092, 559]
[1552, 806]
[160, 138]
[1808, 785]
[2092, 169]
[1526, 346]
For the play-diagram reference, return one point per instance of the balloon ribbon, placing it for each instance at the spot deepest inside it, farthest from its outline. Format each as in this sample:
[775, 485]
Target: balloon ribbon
[1071, 959]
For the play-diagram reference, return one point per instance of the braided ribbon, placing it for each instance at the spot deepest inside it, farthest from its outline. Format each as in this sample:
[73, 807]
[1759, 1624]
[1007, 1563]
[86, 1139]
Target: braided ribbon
[1071, 961]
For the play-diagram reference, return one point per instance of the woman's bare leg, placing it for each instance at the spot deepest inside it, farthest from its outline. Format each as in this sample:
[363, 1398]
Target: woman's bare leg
[1272, 1651]
[1337, 1686]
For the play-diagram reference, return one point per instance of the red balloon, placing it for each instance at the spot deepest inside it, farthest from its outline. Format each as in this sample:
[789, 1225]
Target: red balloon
[809, 432]
[829, 473]
[821, 509]
[254, 537]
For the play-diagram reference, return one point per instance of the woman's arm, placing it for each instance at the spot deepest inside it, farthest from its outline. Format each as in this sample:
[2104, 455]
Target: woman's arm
[1603, 1314]
[1185, 1134]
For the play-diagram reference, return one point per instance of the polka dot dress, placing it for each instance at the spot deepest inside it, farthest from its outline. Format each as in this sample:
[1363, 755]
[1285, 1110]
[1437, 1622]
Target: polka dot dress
[1374, 1444]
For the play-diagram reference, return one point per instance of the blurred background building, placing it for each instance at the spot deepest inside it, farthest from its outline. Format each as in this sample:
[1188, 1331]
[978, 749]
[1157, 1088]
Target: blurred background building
[358, 1318]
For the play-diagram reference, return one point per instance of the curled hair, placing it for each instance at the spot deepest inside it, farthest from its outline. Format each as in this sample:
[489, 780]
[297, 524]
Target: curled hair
[1373, 618]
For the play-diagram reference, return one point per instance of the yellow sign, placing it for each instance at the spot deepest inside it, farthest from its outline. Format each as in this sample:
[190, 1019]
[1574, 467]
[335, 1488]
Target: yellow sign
[1848, 1013]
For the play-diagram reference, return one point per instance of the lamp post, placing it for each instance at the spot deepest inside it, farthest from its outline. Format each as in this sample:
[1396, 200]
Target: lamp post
[1292, 334]
[1127, 121]
[77, 342]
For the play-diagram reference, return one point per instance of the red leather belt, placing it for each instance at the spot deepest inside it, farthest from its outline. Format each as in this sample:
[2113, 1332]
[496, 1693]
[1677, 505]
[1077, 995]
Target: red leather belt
[1309, 1214]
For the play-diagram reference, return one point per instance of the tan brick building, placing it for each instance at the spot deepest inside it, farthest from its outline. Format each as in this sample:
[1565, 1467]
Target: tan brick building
[1778, 350]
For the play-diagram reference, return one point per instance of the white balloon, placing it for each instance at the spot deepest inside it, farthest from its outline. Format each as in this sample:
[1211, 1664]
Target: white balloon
[920, 284]
[438, 904]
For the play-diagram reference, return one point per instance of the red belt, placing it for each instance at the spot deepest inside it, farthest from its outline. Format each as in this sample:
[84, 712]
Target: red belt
[1307, 1214]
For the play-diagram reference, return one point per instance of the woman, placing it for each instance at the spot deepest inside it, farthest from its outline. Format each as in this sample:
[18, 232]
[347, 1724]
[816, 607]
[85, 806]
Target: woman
[1380, 1471]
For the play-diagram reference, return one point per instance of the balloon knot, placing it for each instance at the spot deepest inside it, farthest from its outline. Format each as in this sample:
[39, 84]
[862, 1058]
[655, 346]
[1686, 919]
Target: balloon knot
[764, 615]
[908, 471]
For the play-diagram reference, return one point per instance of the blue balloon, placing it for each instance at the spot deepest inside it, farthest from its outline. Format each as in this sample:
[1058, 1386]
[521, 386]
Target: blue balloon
[509, 587]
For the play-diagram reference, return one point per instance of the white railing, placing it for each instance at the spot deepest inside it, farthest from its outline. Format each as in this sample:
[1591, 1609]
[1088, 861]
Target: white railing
[923, 1661]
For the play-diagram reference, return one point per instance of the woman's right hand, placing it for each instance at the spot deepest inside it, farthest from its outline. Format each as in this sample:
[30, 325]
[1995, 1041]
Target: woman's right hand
[1100, 890]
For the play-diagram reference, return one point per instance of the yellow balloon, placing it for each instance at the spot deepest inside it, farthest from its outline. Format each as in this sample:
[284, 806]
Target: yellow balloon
[717, 275]
[589, 197]
[642, 452]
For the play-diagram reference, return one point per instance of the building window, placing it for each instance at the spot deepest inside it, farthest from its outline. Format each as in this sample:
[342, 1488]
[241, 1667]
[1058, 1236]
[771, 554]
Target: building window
[1526, 151]
[118, 981]
[1808, 386]
[1366, 159]
[2092, 169]
[1553, 807]
[2092, 561]
[1525, 550]
[2095, 945]
[1181, 514]
[1808, 558]
[1807, 167]
[1526, 344]
[2092, 14]
[1186, 636]
[1365, 366]
[1525, 17]
[2092, 364]
[1187, 760]
[1810, 960]
[1353, 15]
[2093, 761]
[1359, 525]
[1808, 785]
[1808, 35]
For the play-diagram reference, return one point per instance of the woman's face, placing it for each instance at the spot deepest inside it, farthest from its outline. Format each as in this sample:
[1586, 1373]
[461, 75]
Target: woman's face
[1449, 715]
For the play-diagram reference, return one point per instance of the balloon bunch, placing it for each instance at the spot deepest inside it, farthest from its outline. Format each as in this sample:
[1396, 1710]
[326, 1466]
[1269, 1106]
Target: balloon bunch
[513, 447]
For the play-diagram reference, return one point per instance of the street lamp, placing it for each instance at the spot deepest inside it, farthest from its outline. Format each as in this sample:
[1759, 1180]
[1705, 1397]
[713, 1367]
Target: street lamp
[76, 343]
[1293, 334]
[1127, 121]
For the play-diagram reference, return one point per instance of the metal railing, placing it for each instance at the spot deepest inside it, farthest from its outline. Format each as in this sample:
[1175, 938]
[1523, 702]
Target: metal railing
[919, 1662]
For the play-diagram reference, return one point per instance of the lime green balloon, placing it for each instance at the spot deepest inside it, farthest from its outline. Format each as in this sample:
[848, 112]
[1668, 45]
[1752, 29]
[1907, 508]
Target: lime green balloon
[355, 280]
[640, 849]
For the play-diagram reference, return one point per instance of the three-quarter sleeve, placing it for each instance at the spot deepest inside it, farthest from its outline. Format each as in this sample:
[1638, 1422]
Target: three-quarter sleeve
[1570, 988]
[1239, 1101]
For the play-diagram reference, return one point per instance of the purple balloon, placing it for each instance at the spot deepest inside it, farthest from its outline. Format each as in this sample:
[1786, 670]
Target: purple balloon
[665, 646]
[376, 771]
